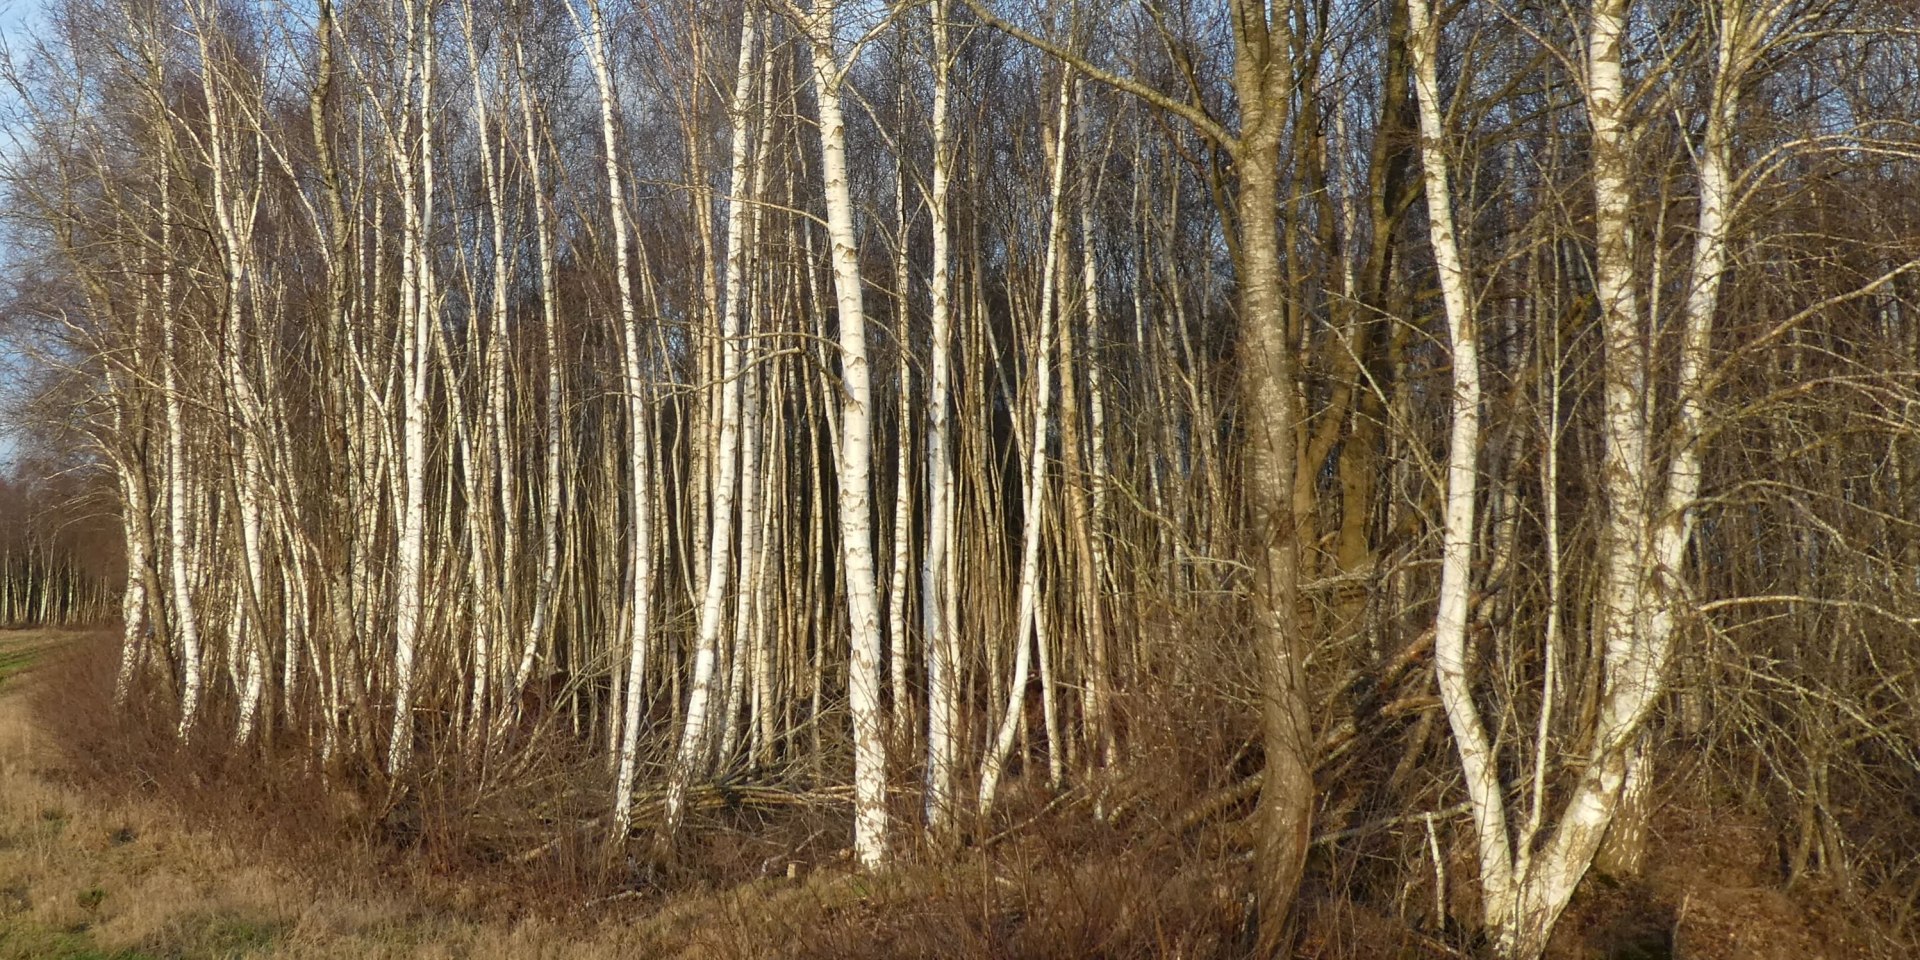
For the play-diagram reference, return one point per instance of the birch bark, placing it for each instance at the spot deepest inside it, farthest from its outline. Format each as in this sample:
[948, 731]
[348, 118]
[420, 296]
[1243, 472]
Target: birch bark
[1027, 631]
[639, 608]
[416, 312]
[1451, 661]
[1650, 491]
[695, 750]
[938, 642]
[855, 449]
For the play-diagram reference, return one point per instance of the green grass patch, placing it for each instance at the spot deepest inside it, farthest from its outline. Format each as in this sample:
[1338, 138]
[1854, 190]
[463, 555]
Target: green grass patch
[218, 936]
[20, 650]
[14, 661]
[25, 941]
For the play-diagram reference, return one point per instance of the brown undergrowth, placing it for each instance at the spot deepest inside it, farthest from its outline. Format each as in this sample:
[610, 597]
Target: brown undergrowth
[339, 862]
[114, 843]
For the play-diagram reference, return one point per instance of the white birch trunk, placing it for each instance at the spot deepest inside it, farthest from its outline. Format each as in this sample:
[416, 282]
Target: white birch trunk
[416, 312]
[639, 608]
[1525, 892]
[1033, 501]
[136, 524]
[1478, 761]
[938, 643]
[1100, 685]
[695, 753]
[186, 622]
[244, 405]
[855, 453]
[553, 496]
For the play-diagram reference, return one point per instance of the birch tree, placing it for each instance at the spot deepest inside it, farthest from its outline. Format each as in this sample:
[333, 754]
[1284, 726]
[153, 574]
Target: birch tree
[855, 445]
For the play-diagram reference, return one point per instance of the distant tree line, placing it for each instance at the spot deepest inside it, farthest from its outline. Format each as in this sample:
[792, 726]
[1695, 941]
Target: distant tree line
[60, 563]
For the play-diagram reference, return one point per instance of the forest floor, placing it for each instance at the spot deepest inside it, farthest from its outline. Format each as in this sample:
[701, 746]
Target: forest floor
[136, 877]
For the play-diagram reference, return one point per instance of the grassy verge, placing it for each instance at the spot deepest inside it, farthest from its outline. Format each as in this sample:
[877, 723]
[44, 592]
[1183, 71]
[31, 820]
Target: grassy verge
[21, 649]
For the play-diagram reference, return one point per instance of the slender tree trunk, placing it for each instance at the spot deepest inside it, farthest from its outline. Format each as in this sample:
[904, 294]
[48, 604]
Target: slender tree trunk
[639, 608]
[937, 588]
[1450, 653]
[724, 481]
[856, 452]
[1028, 631]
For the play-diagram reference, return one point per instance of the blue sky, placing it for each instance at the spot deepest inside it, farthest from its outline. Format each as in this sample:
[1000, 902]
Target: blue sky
[18, 17]
[17, 20]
